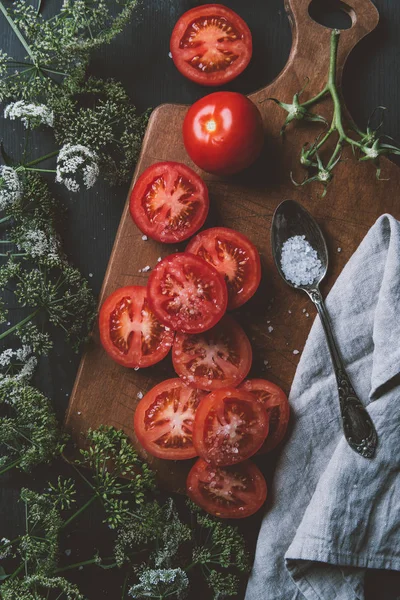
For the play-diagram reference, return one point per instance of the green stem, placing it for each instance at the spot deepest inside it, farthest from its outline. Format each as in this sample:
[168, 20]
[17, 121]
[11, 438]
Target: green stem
[80, 511]
[17, 571]
[42, 158]
[6, 242]
[316, 98]
[10, 466]
[4, 219]
[17, 32]
[84, 563]
[53, 71]
[40, 170]
[21, 323]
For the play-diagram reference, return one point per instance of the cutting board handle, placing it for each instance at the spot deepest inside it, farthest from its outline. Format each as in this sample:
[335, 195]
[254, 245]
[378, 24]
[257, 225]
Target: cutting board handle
[309, 56]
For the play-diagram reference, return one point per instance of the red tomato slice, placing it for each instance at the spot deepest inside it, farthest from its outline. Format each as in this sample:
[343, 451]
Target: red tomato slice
[217, 358]
[234, 256]
[227, 492]
[186, 293]
[169, 202]
[223, 133]
[164, 420]
[277, 406]
[230, 426]
[129, 331]
[211, 44]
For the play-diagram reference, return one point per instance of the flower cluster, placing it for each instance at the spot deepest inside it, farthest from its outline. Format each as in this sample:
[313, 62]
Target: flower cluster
[36, 243]
[32, 115]
[29, 433]
[77, 164]
[18, 364]
[160, 583]
[10, 187]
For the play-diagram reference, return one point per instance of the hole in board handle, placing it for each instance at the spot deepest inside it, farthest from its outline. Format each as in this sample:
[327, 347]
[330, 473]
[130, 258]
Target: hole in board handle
[332, 13]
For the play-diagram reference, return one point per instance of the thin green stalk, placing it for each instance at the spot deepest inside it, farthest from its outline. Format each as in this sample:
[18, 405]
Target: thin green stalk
[42, 158]
[316, 98]
[20, 324]
[40, 170]
[54, 72]
[10, 466]
[4, 219]
[17, 571]
[84, 563]
[17, 32]
[79, 512]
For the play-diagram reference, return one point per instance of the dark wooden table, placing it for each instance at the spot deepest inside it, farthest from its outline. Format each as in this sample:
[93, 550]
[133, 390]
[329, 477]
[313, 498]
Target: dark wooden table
[139, 58]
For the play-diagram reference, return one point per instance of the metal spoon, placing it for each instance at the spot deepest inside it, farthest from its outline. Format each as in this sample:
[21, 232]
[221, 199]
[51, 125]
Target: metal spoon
[292, 219]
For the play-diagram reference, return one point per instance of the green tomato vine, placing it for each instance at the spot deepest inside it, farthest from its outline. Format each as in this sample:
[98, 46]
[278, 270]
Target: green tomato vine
[368, 145]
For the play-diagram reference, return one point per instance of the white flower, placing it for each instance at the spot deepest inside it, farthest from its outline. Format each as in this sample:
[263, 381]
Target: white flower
[37, 243]
[21, 358]
[32, 115]
[5, 548]
[10, 186]
[76, 160]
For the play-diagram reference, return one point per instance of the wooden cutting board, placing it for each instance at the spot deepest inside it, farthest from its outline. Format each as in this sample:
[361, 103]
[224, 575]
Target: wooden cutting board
[278, 318]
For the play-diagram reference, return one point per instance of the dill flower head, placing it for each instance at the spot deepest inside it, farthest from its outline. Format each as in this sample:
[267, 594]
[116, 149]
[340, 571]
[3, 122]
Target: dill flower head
[39, 244]
[77, 164]
[18, 364]
[10, 186]
[31, 115]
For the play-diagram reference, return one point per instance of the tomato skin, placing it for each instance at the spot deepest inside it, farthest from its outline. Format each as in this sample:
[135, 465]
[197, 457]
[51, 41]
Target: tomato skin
[244, 483]
[190, 57]
[230, 426]
[221, 246]
[169, 399]
[186, 293]
[166, 179]
[129, 351]
[223, 133]
[275, 401]
[231, 361]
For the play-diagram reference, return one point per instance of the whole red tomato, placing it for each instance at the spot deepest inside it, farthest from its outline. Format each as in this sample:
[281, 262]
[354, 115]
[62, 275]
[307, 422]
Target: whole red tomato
[223, 133]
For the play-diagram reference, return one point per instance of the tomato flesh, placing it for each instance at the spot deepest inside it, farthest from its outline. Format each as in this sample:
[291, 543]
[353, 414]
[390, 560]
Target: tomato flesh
[186, 293]
[275, 402]
[211, 44]
[169, 202]
[217, 358]
[129, 331]
[234, 256]
[223, 133]
[232, 492]
[230, 426]
[164, 420]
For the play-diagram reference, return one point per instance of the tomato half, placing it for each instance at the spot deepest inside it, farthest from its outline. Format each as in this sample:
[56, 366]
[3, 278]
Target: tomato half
[232, 492]
[230, 426]
[211, 44]
[164, 420]
[169, 202]
[234, 256]
[275, 401]
[129, 331]
[223, 133]
[217, 358]
[187, 293]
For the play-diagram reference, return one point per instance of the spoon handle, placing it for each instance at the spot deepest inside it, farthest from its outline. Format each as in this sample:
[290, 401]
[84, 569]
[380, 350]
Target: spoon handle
[358, 427]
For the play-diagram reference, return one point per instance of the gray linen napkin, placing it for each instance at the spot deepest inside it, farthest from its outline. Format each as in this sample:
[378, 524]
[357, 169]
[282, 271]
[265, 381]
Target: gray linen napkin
[332, 514]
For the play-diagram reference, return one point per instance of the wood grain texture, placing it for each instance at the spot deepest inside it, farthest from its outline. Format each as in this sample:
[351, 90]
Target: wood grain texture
[106, 393]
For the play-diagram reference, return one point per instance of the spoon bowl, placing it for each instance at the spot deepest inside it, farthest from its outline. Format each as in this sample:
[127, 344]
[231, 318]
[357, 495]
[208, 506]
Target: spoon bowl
[291, 219]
